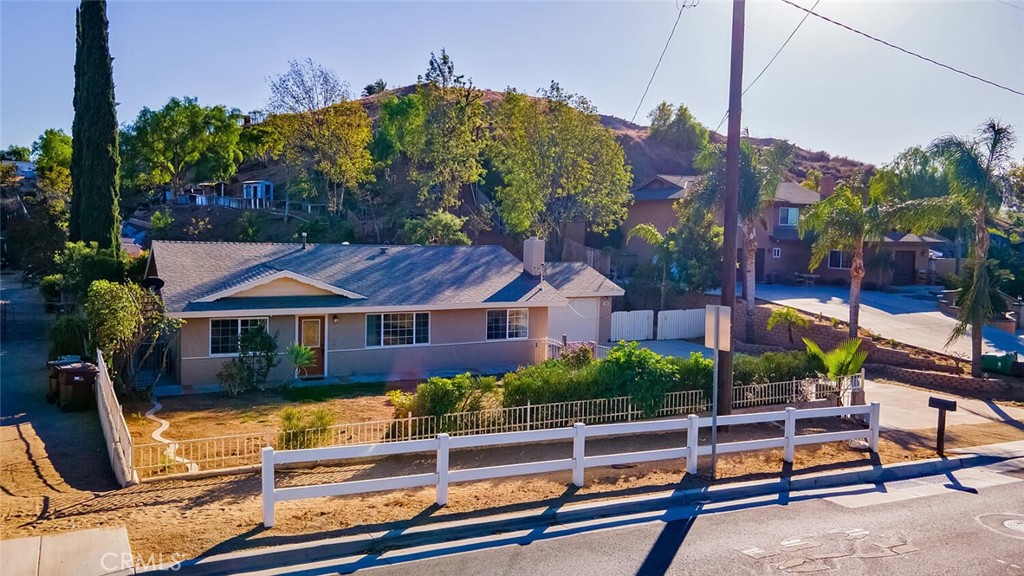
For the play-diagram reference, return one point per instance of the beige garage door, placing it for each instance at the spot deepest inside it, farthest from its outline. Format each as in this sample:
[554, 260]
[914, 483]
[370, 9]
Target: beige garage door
[578, 321]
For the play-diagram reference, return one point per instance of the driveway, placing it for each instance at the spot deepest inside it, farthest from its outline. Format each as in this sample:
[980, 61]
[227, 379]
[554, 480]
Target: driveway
[681, 348]
[906, 408]
[910, 316]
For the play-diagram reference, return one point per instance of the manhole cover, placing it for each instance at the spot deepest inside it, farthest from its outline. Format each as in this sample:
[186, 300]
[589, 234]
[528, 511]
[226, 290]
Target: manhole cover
[1017, 525]
[1007, 524]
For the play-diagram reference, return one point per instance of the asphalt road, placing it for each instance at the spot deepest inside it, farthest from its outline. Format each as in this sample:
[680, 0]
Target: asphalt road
[954, 532]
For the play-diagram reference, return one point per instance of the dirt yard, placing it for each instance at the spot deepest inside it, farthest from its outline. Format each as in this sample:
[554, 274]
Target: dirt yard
[220, 514]
[208, 415]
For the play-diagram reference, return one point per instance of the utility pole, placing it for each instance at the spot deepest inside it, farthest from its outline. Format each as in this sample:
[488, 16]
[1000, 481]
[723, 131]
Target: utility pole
[729, 208]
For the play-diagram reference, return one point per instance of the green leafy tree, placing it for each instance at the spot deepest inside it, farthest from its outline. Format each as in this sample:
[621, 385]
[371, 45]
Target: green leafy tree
[95, 157]
[812, 180]
[761, 172]
[375, 87]
[257, 356]
[52, 152]
[261, 142]
[855, 215]
[558, 165]
[249, 227]
[438, 228]
[789, 318]
[448, 157]
[182, 137]
[326, 133]
[160, 222]
[15, 153]
[676, 127]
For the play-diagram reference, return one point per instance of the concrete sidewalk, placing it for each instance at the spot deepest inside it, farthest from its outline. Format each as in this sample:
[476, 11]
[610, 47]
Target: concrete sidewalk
[905, 408]
[97, 552]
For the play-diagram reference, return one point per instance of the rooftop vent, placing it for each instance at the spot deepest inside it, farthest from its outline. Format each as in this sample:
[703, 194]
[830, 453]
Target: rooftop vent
[383, 249]
[303, 240]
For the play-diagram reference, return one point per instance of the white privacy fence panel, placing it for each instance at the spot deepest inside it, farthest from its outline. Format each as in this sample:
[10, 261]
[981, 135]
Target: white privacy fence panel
[577, 461]
[680, 324]
[635, 325]
[115, 429]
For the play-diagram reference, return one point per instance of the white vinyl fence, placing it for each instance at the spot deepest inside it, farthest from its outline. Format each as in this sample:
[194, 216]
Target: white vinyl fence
[577, 462]
[680, 324]
[635, 325]
[115, 430]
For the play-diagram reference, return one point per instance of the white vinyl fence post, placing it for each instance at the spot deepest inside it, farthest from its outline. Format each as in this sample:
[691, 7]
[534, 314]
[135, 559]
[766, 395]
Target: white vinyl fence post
[875, 417]
[528, 415]
[578, 451]
[692, 443]
[268, 487]
[408, 425]
[442, 469]
[790, 435]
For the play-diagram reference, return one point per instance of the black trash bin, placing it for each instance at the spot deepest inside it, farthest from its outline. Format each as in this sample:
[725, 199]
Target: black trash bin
[76, 381]
[52, 387]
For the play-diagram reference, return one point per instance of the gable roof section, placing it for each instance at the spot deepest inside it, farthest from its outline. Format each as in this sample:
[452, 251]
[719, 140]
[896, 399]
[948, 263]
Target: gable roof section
[270, 276]
[907, 237]
[203, 276]
[793, 193]
[664, 187]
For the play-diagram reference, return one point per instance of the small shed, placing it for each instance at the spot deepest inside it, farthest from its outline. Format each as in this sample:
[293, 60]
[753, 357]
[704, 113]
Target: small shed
[258, 194]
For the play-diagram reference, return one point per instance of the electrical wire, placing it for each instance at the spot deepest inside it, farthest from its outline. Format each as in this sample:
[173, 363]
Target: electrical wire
[686, 4]
[1011, 4]
[906, 51]
[776, 55]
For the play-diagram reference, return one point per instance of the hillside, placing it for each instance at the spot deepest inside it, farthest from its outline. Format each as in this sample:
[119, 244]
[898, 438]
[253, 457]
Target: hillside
[646, 156]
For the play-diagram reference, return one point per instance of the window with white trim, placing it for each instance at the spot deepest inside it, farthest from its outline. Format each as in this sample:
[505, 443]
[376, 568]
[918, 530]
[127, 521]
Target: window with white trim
[508, 324]
[840, 259]
[397, 329]
[789, 216]
[225, 333]
[776, 253]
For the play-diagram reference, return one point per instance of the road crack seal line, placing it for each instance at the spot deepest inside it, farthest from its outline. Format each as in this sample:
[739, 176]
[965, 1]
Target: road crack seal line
[172, 447]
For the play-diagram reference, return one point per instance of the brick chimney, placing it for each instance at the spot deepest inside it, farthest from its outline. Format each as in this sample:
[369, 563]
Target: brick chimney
[533, 256]
[828, 185]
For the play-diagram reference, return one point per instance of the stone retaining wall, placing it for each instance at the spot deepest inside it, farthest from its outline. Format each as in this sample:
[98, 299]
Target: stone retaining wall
[941, 380]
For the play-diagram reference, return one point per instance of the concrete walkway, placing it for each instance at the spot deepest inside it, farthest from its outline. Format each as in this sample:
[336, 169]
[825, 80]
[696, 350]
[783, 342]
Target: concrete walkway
[97, 552]
[910, 316]
[905, 408]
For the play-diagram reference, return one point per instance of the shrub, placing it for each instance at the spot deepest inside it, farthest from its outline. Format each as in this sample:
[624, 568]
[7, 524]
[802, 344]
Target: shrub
[49, 287]
[693, 373]
[69, 335]
[774, 367]
[639, 373]
[951, 282]
[843, 360]
[301, 358]
[304, 428]
[439, 396]
[257, 355]
[551, 381]
[578, 355]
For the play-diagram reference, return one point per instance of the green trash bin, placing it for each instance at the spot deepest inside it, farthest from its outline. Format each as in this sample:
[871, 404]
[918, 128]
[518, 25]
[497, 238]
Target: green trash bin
[998, 363]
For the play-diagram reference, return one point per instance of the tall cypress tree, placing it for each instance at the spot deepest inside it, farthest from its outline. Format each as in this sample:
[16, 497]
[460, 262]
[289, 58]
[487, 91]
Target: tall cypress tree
[94, 154]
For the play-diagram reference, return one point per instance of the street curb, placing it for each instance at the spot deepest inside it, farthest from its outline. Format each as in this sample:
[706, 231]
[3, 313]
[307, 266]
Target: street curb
[319, 550]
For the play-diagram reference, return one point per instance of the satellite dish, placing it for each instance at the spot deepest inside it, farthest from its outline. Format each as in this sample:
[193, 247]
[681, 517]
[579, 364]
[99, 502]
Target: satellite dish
[152, 283]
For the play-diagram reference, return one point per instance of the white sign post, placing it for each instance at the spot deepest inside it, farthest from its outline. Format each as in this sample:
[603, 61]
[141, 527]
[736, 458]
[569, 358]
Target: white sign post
[717, 328]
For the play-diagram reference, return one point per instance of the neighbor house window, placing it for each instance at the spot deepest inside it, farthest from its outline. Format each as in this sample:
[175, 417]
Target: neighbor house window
[840, 259]
[398, 329]
[789, 216]
[508, 324]
[225, 333]
[776, 252]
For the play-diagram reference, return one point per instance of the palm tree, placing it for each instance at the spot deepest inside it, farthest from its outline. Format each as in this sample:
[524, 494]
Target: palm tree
[856, 214]
[664, 245]
[975, 167]
[761, 172]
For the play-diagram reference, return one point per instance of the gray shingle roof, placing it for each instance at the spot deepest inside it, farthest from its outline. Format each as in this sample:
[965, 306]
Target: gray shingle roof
[908, 237]
[674, 186]
[577, 279]
[404, 276]
[793, 193]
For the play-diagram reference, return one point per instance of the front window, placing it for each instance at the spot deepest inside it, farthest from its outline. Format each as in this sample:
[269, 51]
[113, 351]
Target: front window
[508, 324]
[398, 329]
[840, 259]
[225, 333]
[789, 216]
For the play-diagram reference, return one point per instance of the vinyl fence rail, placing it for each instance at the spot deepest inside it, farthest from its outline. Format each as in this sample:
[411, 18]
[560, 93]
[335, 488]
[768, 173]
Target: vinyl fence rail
[115, 429]
[577, 461]
[680, 324]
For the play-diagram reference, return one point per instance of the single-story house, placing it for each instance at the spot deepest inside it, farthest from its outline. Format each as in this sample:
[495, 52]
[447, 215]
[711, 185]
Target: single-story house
[375, 312]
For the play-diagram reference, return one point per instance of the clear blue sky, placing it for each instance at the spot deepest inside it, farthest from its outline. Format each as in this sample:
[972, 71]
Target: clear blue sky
[828, 90]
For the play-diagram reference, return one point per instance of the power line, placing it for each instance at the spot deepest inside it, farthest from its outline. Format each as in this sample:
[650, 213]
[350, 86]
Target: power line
[686, 4]
[1011, 4]
[766, 66]
[905, 51]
